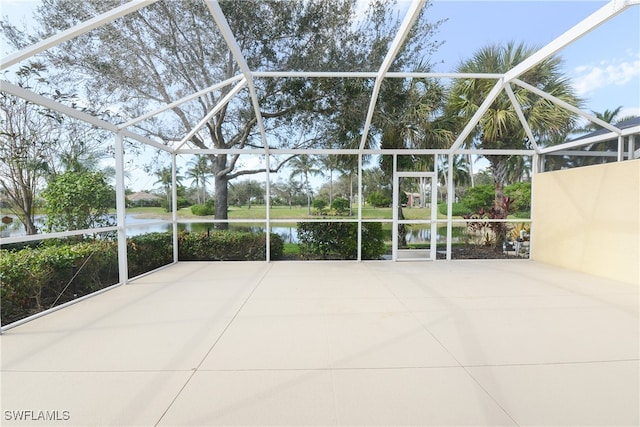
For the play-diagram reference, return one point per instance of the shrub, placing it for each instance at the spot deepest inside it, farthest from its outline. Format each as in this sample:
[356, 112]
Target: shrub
[520, 195]
[227, 246]
[339, 240]
[35, 279]
[183, 202]
[149, 251]
[459, 209]
[202, 210]
[479, 197]
[319, 204]
[378, 200]
[340, 205]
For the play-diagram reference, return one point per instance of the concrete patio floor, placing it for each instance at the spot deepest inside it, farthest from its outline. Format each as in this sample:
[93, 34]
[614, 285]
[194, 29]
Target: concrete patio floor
[333, 343]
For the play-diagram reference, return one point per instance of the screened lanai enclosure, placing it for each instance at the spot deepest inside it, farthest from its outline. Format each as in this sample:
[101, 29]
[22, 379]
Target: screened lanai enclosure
[275, 94]
[262, 213]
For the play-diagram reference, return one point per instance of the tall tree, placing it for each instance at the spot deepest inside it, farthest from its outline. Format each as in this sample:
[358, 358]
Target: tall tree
[172, 48]
[29, 138]
[305, 167]
[500, 127]
[198, 172]
[330, 163]
[77, 200]
[165, 180]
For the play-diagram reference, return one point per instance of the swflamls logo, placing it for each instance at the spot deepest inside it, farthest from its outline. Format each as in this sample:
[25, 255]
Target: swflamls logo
[35, 415]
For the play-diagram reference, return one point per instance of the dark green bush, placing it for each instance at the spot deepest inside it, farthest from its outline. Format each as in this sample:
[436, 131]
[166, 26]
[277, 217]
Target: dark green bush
[34, 279]
[147, 252]
[459, 209]
[227, 246]
[339, 240]
[202, 210]
[183, 202]
[378, 200]
[520, 195]
[319, 204]
[340, 205]
[479, 197]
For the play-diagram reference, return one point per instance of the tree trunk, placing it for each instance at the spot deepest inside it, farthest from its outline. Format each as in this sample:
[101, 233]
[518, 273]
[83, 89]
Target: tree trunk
[29, 227]
[402, 230]
[221, 207]
[351, 195]
[499, 175]
[499, 165]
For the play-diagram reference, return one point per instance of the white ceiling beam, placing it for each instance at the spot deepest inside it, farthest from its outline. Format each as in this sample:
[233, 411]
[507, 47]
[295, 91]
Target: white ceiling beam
[597, 18]
[523, 120]
[72, 112]
[315, 74]
[224, 101]
[373, 74]
[396, 44]
[73, 32]
[493, 94]
[354, 151]
[180, 102]
[232, 43]
[567, 106]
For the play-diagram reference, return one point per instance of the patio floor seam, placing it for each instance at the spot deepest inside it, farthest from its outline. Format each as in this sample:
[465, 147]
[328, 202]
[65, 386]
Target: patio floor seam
[217, 340]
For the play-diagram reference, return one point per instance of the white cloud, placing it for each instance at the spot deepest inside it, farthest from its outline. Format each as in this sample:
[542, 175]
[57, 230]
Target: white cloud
[588, 78]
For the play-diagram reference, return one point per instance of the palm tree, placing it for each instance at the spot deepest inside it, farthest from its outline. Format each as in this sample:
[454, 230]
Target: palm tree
[408, 118]
[165, 180]
[199, 174]
[305, 167]
[461, 172]
[609, 116]
[331, 164]
[500, 127]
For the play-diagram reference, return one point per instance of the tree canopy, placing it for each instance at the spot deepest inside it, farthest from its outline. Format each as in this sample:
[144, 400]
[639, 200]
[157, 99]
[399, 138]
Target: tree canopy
[169, 49]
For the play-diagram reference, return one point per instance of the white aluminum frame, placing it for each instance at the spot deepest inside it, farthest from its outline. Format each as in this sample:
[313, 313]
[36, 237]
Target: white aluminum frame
[247, 76]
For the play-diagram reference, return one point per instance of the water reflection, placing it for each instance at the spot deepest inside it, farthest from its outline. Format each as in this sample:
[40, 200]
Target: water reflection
[136, 226]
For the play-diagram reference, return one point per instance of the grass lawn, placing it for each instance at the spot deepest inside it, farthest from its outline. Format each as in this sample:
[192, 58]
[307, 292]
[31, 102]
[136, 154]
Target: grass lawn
[285, 212]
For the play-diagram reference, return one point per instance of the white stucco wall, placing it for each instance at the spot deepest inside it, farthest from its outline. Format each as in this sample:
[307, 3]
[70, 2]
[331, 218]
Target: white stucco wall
[588, 219]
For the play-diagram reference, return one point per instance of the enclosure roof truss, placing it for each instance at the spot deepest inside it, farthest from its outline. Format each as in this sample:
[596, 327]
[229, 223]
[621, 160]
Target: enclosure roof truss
[246, 79]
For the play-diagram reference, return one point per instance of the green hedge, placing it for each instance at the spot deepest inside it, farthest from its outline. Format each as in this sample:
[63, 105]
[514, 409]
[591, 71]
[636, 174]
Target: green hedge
[459, 209]
[339, 240]
[147, 252]
[33, 279]
[227, 246]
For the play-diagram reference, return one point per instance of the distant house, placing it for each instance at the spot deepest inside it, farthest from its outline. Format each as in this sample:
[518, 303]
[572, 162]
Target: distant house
[142, 198]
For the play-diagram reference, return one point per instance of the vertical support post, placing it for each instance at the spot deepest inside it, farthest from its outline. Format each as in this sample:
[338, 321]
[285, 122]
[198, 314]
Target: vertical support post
[620, 148]
[632, 147]
[174, 205]
[434, 210]
[359, 206]
[450, 190]
[123, 271]
[395, 206]
[538, 165]
[268, 207]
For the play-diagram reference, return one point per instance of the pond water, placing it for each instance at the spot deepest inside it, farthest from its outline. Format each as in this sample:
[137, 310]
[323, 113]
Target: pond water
[137, 226]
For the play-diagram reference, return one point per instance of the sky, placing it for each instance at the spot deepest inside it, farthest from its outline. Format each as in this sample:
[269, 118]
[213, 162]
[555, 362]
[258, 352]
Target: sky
[603, 65]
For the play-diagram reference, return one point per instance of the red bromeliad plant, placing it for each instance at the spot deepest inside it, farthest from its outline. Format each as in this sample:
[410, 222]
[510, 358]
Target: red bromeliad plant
[481, 224]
